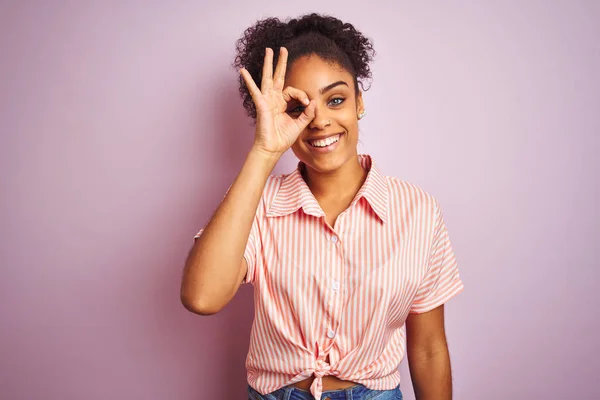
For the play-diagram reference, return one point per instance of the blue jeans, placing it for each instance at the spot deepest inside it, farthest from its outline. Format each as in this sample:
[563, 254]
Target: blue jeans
[358, 392]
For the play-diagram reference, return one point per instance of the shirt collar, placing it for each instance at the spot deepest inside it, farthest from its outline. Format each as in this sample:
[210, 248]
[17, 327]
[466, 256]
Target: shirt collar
[294, 193]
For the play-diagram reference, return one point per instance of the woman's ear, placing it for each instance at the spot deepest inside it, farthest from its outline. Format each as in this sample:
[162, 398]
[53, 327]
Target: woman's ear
[360, 106]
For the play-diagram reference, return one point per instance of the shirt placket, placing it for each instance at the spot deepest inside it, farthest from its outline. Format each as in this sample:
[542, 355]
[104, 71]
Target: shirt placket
[334, 283]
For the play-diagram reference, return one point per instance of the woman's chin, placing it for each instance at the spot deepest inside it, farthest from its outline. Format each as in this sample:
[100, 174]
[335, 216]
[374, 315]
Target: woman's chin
[326, 163]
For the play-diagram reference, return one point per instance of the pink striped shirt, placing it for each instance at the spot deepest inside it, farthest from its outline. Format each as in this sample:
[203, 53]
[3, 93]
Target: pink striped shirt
[343, 291]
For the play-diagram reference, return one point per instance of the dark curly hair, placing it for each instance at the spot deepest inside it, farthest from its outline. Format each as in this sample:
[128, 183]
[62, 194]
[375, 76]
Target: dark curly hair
[325, 36]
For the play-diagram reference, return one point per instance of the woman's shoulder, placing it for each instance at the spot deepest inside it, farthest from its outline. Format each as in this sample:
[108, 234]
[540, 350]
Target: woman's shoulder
[409, 193]
[399, 192]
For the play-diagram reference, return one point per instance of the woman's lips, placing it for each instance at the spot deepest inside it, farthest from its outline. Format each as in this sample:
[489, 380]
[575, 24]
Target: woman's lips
[325, 145]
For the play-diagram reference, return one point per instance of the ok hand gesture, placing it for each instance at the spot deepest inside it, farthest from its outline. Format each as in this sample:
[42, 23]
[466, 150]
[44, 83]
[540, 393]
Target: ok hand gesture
[276, 130]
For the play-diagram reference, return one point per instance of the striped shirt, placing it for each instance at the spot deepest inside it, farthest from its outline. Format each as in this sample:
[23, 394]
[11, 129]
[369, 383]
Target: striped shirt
[343, 291]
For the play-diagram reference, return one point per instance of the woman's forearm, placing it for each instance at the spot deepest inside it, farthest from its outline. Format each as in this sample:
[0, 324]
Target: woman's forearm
[431, 375]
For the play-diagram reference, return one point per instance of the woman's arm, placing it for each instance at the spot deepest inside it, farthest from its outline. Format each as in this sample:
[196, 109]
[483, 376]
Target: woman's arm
[428, 356]
[215, 266]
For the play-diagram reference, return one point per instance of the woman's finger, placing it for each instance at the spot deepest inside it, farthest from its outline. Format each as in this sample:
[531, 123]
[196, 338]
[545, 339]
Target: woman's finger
[280, 69]
[252, 88]
[290, 93]
[307, 115]
[267, 75]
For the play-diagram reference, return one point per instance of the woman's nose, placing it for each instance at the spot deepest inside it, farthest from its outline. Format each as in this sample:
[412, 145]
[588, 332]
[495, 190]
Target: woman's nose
[321, 121]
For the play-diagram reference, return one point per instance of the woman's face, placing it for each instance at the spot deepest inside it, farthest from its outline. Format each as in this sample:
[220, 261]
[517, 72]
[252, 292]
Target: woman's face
[330, 140]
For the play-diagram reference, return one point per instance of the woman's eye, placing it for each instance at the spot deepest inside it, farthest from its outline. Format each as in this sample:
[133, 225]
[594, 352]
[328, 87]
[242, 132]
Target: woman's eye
[295, 110]
[337, 101]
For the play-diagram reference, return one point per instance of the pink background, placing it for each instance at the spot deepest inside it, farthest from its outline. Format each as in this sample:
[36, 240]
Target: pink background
[121, 129]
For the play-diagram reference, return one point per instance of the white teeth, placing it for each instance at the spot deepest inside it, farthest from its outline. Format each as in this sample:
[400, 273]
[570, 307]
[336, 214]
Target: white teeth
[325, 142]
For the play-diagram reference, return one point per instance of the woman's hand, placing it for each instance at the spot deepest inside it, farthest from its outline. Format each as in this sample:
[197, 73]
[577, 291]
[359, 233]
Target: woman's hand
[276, 130]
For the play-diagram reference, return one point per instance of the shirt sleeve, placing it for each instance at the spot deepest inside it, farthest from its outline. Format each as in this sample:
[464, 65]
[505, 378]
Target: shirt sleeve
[251, 251]
[442, 280]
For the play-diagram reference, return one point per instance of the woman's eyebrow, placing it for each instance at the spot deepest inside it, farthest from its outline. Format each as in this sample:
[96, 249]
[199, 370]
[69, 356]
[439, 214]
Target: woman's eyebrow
[329, 87]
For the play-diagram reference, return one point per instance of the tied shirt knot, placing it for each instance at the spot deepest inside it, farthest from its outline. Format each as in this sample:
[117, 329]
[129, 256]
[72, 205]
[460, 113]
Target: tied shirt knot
[321, 369]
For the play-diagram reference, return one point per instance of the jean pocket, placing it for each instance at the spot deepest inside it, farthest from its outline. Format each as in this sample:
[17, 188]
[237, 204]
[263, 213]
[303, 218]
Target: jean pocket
[253, 394]
[394, 394]
[276, 395]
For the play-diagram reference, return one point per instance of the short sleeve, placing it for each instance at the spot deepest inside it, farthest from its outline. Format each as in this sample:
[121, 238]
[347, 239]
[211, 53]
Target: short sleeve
[442, 280]
[251, 252]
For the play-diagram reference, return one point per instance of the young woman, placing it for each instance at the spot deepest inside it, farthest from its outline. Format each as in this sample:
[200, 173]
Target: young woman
[350, 268]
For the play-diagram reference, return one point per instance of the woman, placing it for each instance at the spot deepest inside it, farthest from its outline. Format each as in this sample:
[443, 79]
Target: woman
[350, 268]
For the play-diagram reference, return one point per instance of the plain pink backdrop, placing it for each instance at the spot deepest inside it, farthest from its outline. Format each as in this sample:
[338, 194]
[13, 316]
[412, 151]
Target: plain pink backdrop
[121, 129]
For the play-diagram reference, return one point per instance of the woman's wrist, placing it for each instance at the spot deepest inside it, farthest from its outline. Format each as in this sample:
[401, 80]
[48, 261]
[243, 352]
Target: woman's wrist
[269, 158]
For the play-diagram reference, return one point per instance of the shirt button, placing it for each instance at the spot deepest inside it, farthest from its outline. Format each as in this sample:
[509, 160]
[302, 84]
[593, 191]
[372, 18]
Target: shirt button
[334, 239]
[330, 334]
[335, 285]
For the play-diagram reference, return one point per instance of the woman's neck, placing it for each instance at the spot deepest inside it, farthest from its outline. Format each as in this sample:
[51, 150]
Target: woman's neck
[342, 184]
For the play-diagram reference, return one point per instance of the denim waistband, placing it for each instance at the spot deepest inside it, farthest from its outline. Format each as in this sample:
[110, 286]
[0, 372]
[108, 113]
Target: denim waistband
[357, 392]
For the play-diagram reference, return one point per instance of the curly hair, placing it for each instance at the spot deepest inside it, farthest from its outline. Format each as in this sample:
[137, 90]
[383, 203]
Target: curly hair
[328, 37]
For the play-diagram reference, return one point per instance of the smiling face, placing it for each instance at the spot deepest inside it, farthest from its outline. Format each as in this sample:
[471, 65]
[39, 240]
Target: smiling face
[329, 141]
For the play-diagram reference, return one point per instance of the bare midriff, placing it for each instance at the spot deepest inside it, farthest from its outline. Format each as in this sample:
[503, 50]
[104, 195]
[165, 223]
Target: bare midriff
[329, 383]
